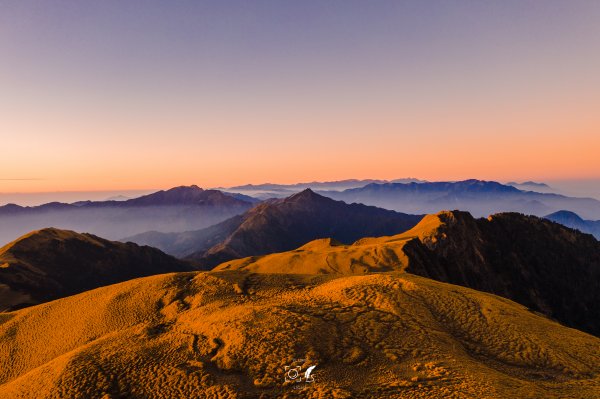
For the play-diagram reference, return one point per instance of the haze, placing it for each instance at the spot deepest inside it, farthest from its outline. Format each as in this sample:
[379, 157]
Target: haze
[113, 96]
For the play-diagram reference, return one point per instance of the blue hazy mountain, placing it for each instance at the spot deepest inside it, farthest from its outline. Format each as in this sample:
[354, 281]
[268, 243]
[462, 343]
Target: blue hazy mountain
[573, 220]
[270, 190]
[481, 198]
[178, 209]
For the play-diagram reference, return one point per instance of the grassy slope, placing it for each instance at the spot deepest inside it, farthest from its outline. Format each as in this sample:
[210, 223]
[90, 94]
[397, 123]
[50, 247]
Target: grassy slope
[327, 256]
[229, 334]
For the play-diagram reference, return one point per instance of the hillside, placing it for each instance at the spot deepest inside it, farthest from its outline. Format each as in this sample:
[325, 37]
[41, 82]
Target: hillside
[50, 263]
[178, 209]
[285, 224]
[540, 264]
[230, 335]
[480, 198]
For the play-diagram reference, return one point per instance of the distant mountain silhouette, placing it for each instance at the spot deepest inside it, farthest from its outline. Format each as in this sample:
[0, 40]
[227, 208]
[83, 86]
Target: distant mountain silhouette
[481, 198]
[571, 219]
[528, 183]
[51, 263]
[543, 265]
[188, 242]
[118, 198]
[178, 209]
[279, 225]
[533, 186]
[183, 195]
[270, 190]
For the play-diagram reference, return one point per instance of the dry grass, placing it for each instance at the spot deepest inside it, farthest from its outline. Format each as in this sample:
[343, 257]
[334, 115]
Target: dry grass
[327, 256]
[230, 334]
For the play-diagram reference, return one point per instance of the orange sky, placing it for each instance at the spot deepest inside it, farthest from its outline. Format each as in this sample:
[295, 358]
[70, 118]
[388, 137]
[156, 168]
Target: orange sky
[495, 91]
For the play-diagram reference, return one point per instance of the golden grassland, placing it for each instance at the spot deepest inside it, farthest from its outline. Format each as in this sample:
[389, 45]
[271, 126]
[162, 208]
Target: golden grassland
[327, 256]
[229, 334]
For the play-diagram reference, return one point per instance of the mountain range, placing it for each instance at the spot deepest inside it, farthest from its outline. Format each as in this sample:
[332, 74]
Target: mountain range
[279, 225]
[481, 198]
[178, 209]
[399, 305]
[270, 190]
[188, 209]
[543, 265]
[51, 263]
[533, 186]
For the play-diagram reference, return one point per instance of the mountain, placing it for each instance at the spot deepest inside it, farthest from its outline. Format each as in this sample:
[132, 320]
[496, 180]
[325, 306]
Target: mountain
[178, 209]
[540, 264]
[232, 334]
[280, 225]
[270, 190]
[479, 197]
[51, 263]
[118, 198]
[532, 186]
[185, 195]
[188, 242]
[571, 219]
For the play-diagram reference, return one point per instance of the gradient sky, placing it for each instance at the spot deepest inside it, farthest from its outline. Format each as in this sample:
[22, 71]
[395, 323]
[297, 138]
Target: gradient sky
[106, 95]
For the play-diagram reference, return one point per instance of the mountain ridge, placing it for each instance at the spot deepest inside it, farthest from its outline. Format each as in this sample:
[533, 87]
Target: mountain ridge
[51, 263]
[476, 196]
[543, 265]
[278, 224]
[178, 209]
[284, 224]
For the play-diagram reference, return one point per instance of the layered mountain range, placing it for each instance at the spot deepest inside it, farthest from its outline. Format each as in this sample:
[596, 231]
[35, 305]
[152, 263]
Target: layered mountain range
[270, 190]
[178, 209]
[481, 198]
[280, 225]
[543, 265]
[383, 304]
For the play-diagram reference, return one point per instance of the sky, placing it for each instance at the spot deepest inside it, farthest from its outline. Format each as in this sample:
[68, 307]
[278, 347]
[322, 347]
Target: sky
[113, 95]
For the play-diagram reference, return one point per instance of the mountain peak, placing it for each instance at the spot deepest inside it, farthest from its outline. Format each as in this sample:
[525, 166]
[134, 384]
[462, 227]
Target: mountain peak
[306, 195]
[51, 263]
[564, 214]
[284, 224]
[187, 195]
[192, 188]
[38, 238]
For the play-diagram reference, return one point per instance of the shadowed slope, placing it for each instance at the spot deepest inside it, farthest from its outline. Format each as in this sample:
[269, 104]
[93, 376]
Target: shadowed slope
[541, 264]
[52, 263]
[229, 335]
